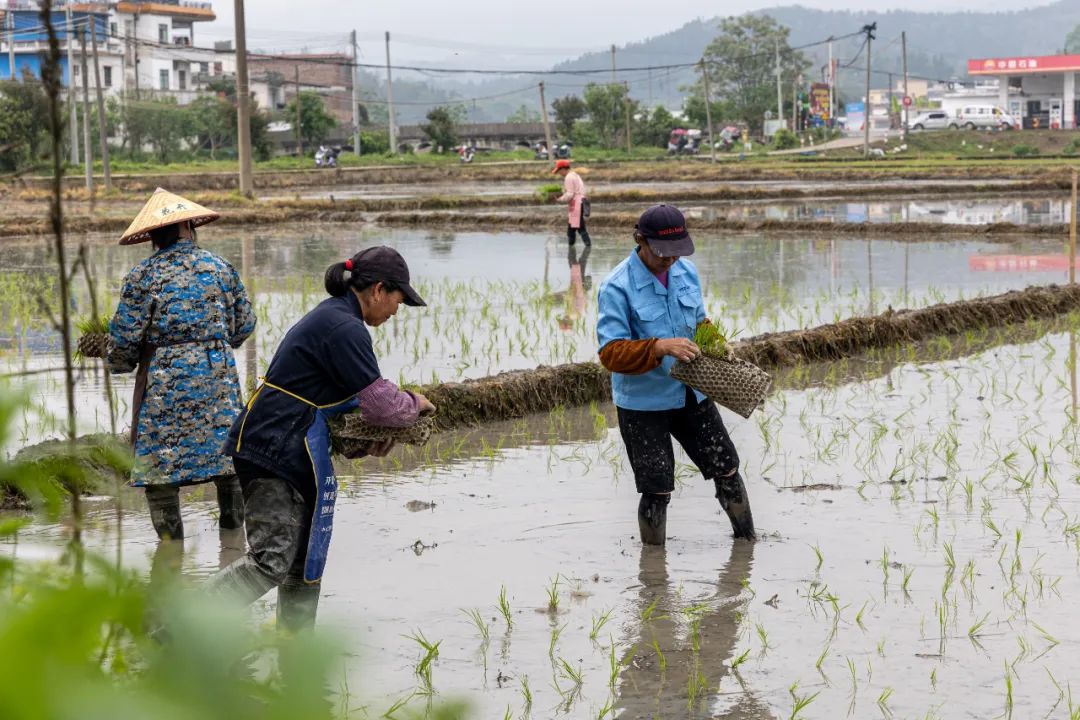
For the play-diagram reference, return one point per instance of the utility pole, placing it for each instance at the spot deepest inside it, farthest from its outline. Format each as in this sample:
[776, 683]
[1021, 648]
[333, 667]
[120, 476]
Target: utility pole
[626, 104]
[612, 63]
[243, 107]
[708, 110]
[390, 97]
[103, 132]
[547, 125]
[88, 149]
[903, 54]
[832, 112]
[890, 100]
[296, 123]
[73, 116]
[355, 95]
[134, 39]
[869, 30]
[11, 45]
[795, 104]
[779, 89]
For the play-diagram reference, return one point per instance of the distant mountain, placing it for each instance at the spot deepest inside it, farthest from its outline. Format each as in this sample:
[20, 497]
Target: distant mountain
[939, 46]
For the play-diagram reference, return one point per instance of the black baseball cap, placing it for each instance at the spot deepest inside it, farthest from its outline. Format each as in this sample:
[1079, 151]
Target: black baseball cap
[664, 227]
[385, 264]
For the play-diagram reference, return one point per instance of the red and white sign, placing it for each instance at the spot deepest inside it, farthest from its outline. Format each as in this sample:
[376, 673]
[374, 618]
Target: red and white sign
[906, 101]
[1025, 65]
[1019, 263]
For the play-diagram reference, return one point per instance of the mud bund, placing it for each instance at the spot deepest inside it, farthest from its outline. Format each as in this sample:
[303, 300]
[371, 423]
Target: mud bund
[519, 393]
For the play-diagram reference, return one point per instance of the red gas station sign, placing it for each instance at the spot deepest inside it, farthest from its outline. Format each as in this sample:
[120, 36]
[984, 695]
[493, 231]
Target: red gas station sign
[1019, 263]
[1025, 64]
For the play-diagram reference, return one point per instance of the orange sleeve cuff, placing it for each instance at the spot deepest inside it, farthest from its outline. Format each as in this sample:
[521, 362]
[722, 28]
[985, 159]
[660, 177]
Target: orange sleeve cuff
[629, 357]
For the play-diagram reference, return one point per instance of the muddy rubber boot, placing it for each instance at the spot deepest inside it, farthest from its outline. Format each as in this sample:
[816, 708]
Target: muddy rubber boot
[652, 518]
[164, 502]
[297, 605]
[230, 503]
[731, 492]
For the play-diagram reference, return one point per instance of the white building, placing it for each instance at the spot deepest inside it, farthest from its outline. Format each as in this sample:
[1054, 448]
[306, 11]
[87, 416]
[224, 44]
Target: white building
[1041, 90]
[161, 54]
[143, 47]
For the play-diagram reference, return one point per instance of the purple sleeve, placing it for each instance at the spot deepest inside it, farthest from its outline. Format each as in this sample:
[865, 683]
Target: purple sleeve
[383, 403]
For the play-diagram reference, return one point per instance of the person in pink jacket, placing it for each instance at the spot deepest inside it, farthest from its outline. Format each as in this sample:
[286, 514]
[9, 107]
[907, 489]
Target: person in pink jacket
[574, 195]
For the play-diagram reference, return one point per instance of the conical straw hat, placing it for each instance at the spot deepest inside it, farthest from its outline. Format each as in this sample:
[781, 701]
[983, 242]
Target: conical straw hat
[165, 208]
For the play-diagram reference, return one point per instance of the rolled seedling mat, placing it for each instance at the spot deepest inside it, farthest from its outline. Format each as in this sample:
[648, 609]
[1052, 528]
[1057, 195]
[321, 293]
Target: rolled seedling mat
[350, 434]
[93, 345]
[736, 384]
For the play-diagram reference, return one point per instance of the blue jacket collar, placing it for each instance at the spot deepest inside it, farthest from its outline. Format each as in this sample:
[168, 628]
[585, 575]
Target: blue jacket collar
[643, 277]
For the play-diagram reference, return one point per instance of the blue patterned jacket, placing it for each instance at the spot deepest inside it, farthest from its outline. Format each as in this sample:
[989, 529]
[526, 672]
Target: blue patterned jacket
[193, 308]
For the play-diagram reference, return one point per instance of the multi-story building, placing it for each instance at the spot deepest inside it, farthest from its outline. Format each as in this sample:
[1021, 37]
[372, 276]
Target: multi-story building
[275, 79]
[143, 47]
[161, 56]
[25, 41]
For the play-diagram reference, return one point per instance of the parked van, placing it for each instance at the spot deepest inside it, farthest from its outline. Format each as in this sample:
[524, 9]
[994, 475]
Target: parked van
[983, 117]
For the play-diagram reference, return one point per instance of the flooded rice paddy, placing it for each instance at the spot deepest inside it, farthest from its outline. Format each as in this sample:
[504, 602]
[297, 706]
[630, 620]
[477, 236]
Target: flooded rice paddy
[919, 554]
[505, 301]
[920, 529]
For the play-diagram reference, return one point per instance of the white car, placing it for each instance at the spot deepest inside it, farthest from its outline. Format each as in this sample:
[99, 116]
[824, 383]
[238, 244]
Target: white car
[983, 117]
[932, 120]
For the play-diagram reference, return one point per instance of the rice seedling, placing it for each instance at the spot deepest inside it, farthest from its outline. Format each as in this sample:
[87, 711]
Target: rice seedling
[742, 658]
[504, 609]
[526, 693]
[799, 702]
[553, 595]
[481, 624]
[661, 659]
[598, 622]
[553, 639]
[763, 636]
[883, 701]
[424, 666]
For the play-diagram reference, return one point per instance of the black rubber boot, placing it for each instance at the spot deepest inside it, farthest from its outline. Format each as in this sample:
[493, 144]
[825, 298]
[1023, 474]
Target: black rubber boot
[652, 518]
[731, 492]
[164, 502]
[297, 605]
[230, 503]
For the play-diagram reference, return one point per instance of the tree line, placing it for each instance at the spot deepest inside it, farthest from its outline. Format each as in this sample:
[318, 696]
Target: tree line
[155, 126]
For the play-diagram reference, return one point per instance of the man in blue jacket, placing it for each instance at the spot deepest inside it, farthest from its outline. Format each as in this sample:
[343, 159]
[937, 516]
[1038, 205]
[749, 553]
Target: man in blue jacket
[650, 308]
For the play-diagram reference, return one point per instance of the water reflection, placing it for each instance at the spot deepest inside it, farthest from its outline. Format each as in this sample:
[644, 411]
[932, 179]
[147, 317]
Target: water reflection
[493, 304]
[956, 211]
[680, 651]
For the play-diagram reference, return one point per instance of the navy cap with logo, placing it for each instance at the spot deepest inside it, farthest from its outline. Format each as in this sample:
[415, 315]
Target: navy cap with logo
[385, 264]
[664, 227]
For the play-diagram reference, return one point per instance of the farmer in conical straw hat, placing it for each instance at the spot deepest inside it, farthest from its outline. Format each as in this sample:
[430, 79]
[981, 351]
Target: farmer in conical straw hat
[650, 308]
[575, 198]
[280, 444]
[181, 312]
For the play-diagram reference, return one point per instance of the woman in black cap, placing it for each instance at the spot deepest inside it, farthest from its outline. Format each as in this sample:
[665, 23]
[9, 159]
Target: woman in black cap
[280, 444]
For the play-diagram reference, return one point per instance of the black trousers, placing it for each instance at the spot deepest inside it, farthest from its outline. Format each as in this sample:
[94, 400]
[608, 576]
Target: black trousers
[571, 233]
[698, 429]
[278, 525]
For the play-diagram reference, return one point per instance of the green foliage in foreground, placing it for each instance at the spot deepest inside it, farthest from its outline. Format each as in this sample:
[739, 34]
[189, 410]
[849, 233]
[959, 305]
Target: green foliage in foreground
[76, 634]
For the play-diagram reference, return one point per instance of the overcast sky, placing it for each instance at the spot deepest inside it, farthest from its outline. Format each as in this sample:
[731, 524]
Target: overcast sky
[498, 33]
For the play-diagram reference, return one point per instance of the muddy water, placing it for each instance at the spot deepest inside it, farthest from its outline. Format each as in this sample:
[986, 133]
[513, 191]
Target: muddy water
[919, 544]
[954, 211]
[417, 190]
[502, 301]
